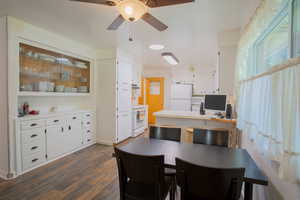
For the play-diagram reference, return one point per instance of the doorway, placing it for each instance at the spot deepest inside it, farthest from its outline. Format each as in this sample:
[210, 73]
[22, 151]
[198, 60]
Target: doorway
[154, 96]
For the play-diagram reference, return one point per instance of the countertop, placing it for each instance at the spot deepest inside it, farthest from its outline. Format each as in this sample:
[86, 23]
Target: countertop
[53, 114]
[190, 115]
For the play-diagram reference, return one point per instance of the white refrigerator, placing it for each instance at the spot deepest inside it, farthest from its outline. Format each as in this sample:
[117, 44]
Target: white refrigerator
[181, 97]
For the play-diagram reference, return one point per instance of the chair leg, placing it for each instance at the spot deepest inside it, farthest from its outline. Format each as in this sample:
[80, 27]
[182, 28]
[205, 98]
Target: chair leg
[173, 190]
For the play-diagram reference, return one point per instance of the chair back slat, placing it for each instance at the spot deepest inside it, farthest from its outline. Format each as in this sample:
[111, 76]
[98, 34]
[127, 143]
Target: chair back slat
[211, 137]
[141, 169]
[165, 133]
[198, 182]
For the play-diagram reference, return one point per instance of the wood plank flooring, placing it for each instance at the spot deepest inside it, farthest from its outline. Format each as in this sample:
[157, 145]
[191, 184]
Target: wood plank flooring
[88, 174]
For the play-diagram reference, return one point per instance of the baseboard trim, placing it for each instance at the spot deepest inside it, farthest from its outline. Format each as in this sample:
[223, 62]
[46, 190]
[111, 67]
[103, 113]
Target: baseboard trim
[105, 142]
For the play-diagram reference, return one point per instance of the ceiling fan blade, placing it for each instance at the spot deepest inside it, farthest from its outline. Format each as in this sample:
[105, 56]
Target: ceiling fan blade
[160, 3]
[116, 23]
[150, 19]
[102, 2]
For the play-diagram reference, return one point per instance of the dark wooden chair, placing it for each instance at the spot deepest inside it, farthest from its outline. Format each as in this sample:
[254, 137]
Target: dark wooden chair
[204, 183]
[143, 178]
[211, 137]
[165, 133]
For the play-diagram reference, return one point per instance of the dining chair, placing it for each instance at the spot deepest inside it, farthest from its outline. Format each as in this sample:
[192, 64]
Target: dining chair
[199, 182]
[211, 137]
[142, 177]
[165, 133]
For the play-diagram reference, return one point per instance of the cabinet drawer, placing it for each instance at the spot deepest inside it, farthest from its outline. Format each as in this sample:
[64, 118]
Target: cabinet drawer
[32, 124]
[88, 138]
[33, 160]
[87, 124]
[87, 131]
[74, 117]
[54, 121]
[33, 135]
[87, 116]
[33, 148]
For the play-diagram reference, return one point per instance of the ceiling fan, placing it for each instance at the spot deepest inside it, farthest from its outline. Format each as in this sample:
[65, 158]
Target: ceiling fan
[133, 10]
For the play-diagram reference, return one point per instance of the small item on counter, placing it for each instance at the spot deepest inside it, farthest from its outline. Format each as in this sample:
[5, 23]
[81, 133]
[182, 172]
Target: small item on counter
[25, 108]
[34, 112]
[21, 112]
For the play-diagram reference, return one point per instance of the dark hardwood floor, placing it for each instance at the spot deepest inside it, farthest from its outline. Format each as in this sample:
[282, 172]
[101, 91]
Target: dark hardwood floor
[88, 174]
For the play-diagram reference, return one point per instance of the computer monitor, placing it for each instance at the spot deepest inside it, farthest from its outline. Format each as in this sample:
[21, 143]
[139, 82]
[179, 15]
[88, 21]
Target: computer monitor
[215, 102]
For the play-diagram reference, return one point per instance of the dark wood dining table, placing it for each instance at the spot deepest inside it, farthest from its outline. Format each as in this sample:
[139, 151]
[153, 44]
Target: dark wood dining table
[204, 155]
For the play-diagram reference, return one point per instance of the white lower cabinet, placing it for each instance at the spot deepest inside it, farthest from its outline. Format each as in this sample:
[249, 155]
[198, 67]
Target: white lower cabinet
[46, 139]
[124, 129]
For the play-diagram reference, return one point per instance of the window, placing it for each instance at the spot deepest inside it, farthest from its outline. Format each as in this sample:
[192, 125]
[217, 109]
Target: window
[296, 28]
[273, 47]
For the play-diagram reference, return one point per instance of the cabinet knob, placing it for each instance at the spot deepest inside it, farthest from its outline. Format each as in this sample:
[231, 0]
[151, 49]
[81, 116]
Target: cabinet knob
[34, 160]
[62, 129]
[33, 136]
[74, 117]
[70, 128]
[56, 120]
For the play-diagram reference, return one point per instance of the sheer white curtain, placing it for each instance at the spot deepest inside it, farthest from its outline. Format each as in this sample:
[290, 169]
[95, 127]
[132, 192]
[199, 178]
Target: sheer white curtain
[269, 114]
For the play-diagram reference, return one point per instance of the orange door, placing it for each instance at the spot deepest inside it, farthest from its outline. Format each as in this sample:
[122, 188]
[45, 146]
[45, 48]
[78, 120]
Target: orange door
[155, 96]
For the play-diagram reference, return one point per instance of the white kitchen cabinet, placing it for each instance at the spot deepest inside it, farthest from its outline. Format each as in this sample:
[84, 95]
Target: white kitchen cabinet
[46, 138]
[115, 121]
[124, 126]
[55, 141]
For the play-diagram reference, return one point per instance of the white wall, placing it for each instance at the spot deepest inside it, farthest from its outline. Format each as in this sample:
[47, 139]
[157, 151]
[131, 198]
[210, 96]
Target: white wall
[4, 168]
[228, 43]
[202, 77]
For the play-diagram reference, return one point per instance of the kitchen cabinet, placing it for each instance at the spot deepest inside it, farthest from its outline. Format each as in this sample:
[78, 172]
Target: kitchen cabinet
[46, 138]
[46, 71]
[55, 141]
[115, 121]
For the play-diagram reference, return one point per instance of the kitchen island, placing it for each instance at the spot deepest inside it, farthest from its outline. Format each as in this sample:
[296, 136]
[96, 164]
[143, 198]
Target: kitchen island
[188, 119]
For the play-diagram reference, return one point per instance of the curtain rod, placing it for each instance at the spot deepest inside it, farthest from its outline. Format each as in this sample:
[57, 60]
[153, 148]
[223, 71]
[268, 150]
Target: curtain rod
[289, 63]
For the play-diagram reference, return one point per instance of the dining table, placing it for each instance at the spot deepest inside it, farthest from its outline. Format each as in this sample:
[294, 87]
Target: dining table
[202, 155]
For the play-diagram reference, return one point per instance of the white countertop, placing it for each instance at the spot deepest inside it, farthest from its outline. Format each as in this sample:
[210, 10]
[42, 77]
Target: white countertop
[182, 114]
[52, 114]
[190, 115]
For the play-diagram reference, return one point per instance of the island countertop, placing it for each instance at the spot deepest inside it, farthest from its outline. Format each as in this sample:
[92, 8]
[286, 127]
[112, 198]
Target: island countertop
[190, 115]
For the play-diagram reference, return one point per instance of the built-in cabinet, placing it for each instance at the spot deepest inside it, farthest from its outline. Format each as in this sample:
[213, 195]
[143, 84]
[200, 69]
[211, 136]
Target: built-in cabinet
[47, 138]
[114, 92]
[42, 70]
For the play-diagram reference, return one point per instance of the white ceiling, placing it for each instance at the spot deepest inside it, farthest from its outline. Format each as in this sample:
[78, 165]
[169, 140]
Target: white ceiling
[191, 36]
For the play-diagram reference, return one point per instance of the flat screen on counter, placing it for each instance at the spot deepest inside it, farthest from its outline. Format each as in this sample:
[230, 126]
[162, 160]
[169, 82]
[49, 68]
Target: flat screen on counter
[215, 102]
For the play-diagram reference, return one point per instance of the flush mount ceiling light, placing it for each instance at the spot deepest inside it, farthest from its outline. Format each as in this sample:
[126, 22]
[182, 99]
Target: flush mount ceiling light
[156, 46]
[170, 58]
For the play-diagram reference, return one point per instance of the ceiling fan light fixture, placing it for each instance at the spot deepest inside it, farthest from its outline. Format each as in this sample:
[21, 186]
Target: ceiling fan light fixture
[170, 58]
[132, 10]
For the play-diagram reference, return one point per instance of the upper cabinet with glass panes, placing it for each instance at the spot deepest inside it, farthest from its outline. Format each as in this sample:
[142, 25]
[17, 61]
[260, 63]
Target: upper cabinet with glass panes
[46, 71]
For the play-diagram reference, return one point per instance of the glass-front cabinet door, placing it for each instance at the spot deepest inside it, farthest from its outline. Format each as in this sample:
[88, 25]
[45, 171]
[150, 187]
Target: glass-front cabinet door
[42, 70]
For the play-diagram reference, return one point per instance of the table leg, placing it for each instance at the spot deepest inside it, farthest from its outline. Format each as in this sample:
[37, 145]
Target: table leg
[248, 191]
